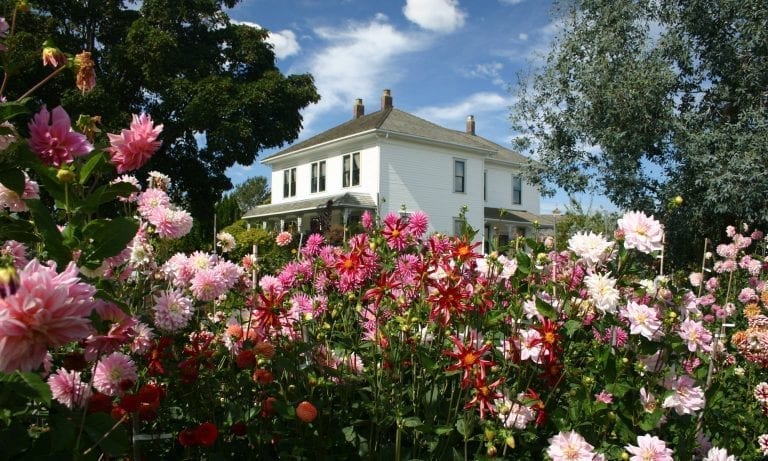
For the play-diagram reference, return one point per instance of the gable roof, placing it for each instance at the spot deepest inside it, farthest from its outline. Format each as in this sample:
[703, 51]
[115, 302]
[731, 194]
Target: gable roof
[392, 120]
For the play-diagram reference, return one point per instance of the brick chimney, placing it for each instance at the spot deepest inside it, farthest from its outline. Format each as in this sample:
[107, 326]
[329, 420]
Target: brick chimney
[386, 100]
[471, 124]
[358, 110]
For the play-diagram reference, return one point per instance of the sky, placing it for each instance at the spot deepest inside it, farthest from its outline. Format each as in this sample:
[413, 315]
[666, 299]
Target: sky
[443, 60]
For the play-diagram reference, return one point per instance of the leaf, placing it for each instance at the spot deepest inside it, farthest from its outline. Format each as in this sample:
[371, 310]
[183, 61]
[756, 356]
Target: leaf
[40, 390]
[100, 428]
[47, 229]
[93, 163]
[571, 326]
[10, 110]
[461, 427]
[105, 194]
[412, 421]
[13, 179]
[17, 229]
[26, 385]
[546, 309]
[109, 237]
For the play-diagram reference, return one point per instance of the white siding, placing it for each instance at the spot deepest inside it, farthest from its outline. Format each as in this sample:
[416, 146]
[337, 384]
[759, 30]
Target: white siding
[421, 178]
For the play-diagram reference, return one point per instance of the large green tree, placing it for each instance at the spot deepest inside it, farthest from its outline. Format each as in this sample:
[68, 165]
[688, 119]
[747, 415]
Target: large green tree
[213, 84]
[252, 192]
[644, 101]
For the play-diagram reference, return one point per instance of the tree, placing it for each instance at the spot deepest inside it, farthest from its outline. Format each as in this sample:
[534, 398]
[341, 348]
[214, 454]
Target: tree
[647, 101]
[211, 83]
[252, 192]
[227, 211]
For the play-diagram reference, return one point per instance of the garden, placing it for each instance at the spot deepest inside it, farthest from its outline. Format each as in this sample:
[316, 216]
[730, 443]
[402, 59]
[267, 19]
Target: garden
[395, 344]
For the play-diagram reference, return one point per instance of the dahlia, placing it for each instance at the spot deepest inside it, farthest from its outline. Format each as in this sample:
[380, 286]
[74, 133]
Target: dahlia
[590, 247]
[649, 448]
[51, 137]
[602, 290]
[641, 232]
[570, 446]
[113, 373]
[132, 148]
[172, 310]
[69, 389]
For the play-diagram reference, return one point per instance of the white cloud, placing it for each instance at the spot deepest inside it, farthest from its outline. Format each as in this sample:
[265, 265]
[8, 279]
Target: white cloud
[490, 71]
[454, 115]
[357, 61]
[522, 36]
[435, 15]
[511, 2]
[283, 42]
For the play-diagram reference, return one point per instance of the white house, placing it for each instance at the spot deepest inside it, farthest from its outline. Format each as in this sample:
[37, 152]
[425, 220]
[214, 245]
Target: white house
[392, 161]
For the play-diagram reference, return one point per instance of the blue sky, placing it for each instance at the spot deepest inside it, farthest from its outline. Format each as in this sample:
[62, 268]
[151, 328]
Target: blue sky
[442, 59]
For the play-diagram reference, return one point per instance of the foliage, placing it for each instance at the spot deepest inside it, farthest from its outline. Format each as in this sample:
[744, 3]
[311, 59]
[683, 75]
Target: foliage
[576, 219]
[252, 192]
[212, 84]
[648, 101]
[227, 211]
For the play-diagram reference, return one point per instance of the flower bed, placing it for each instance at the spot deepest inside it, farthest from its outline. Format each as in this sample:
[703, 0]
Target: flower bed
[396, 345]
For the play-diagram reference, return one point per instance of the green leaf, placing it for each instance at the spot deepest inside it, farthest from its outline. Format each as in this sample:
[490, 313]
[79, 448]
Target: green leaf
[17, 229]
[412, 421]
[461, 427]
[571, 326]
[105, 194]
[47, 229]
[546, 309]
[13, 179]
[109, 236]
[93, 163]
[41, 392]
[10, 110]
[101, 429]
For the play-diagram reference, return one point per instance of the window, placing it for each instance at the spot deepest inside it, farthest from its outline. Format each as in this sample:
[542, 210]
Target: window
[289, 182]
[485, 185]
[351, 172]
[458, 176]
[458, 226]
[318, 177]
[517, 190]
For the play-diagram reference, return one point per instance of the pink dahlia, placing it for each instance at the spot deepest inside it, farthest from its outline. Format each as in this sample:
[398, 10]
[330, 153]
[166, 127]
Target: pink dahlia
[132, 148]
[151, 200]
[47, 310]
[641, 232]
[69, 389]
[172, 310]
[283, 239]
[170, 223]
[11, 200]
[207, 285]
[649, 448]
[570, 446]
[418, 223]
[114, 373]
[17, 251]
[51, 137]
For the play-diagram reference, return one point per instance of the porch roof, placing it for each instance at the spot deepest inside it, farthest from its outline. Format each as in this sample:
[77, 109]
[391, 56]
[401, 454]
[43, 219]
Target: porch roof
[515, 217]
[347, 200]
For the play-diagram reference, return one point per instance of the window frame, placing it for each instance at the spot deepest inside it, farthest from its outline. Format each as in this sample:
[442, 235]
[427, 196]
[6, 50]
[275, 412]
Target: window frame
[350, 170]
[317, 177]
[462, 176]
[517, 190]
[289, 182]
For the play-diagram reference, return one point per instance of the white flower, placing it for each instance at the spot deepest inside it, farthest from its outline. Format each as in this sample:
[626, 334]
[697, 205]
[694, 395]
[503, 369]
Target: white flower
[643, 320]
[718, 454]
[641, 232]
[226, 241]
[602, 290]
[591, 248]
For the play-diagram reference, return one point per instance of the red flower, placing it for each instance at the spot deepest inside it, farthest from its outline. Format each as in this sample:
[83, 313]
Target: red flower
[130, 403]
[532, 399]
[262, 376]
[150, 393]
[246, 359]
[306, 412]
[549, 340]
[206, 434]
[239, 429]
[267, 408]
[469, 359]
[99, 403]
[188, 438]
[484, 395]
[464, 251]
[448, 295]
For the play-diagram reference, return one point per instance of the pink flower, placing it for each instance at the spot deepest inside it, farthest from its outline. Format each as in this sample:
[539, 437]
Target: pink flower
[761, 393]
[11, 200]
[52, 139]
[114, 374]
[47, 310]
[394, 231]
[367, 220]
[418, 223]
[643, 320]
[686, 399]
[718, 454]
[641, 232]
[69, 389]
[697, 337]
[207, 285]
[131, 149]
[570, 446]
[604, 397]
[151, 200]
[762, 442]
[172, 310]
[313, 245]
[283, 239]
[170, 223]
[17, 251]
[649, 448]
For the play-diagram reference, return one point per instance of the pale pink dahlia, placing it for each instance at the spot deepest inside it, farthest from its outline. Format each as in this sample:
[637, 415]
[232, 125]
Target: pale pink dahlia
[649, 448]
[69, 389]
[47, 310]
[17, 251]
[172, 310]
[697, 337]
[131, 149]
[643, 320]
[51, 137]
[641, 232]
[207, 285]
[283, 239]
[570, 446]
[151, 200]
[114, 374]
[11, 200]
[170, 223]
[686, 398]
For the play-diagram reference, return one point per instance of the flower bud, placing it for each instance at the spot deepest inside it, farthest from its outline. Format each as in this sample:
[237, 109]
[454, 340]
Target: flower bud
[9, 281]
[65, 176]
[85, 79]
[52, 55]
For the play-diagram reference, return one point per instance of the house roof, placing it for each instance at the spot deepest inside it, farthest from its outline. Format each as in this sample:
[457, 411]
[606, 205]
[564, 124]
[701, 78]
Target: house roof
[348, 200]
[515, 216]
[392, 120]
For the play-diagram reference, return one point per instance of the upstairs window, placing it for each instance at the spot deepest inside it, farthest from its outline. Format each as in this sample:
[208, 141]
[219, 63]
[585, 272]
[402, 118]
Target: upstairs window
[517, 190]
[289, 182]
[351, 170]
[459, 176]
[318, 177]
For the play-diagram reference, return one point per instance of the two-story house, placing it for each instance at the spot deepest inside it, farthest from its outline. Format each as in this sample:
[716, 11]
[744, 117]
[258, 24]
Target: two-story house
[392, 161]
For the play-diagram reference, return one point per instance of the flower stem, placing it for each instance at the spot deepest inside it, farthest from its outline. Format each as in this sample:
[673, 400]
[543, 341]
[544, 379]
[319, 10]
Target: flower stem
[42, 82]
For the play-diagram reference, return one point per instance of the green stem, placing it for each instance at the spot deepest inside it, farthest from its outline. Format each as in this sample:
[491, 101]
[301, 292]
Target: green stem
[42, 82]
